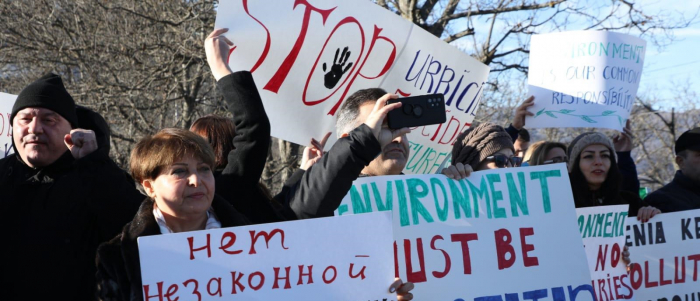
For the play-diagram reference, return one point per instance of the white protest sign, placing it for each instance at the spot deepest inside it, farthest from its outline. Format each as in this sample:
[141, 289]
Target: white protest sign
[665, 252]
[602, 229]
[6, 103]
[308, 56]
[499, 235]
[318, 259]
[584, 78]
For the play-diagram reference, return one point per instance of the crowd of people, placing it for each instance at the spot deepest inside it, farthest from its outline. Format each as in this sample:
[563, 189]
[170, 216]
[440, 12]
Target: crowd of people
[72, 217]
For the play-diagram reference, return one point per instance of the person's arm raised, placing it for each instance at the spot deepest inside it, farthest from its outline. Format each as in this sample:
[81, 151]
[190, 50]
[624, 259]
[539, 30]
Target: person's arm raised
[217, 47]
[323, 185]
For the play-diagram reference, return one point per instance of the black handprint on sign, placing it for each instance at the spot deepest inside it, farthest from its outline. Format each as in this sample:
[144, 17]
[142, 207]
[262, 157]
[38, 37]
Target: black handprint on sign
[333, 76]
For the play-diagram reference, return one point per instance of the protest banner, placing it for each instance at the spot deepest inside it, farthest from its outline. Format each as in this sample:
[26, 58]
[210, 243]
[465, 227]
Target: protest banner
[665, 254]
[6, 103]
[584, 78]
[602, 229]
[308, 56]
[498, 235]
[345, 258]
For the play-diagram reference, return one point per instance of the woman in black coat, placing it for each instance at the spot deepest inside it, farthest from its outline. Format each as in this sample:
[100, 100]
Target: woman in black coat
[595, 178]
[175, 169]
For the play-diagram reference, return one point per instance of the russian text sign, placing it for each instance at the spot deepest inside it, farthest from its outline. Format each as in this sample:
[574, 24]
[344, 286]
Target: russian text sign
[665, 252]
[602, 229]
[308, 56]
[345, 258]
[504, 234]
[6, 103]
[584, 78]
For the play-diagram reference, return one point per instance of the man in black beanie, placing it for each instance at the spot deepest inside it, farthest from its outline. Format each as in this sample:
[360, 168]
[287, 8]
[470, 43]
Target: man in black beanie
[60, 196]
[683, 193]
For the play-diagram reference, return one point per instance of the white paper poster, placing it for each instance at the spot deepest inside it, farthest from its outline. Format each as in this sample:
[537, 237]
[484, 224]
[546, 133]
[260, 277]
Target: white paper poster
[602, 229]
[584, 78]
[6, 103]
[499, 235]
[665, 252]
[308, 56]
[347, 258]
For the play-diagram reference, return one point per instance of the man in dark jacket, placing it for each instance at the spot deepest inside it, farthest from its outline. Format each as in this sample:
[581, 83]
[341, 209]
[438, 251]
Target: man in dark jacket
[683, 193]
[366, 146]
[61, 195]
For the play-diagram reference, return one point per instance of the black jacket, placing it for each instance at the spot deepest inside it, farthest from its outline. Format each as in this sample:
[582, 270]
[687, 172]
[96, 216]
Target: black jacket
[118, 265]
[53, 219]
[323, 186]
[681, 194]
[628, 171]
[623, 198]
[237, 182]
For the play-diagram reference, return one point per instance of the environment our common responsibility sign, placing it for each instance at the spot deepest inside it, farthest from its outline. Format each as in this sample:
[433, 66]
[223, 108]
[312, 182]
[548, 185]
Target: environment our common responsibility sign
[308, 56]
[584, 78]
[348, 258]
[498, 235]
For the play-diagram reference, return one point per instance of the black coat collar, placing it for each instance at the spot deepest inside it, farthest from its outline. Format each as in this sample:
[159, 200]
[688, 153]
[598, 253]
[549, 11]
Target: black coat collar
[686, 182]
[45, 174]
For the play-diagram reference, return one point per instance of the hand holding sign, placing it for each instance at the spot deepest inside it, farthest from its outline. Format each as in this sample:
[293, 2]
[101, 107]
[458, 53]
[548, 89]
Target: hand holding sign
[458, 171]
[646, 213]
[521, 112]
[623, 140]
[217, 48]
[402, 290]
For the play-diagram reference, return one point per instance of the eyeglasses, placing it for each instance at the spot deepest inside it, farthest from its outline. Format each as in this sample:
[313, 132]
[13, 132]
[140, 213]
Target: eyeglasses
[557, 160]
[502, 161]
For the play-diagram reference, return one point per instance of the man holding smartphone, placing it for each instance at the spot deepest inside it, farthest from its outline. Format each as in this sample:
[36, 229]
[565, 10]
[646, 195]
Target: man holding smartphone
[366, 147]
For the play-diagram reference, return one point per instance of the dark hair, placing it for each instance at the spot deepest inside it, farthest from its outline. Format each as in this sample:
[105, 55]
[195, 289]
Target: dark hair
[610, 190]
[219, 132]
[524, 135]
[350, 110]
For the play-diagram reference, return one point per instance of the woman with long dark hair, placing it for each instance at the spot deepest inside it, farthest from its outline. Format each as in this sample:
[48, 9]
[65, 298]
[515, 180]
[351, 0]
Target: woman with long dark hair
[596, 179]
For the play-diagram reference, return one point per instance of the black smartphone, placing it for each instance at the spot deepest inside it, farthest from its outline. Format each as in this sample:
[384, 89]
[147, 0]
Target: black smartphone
[417, 111]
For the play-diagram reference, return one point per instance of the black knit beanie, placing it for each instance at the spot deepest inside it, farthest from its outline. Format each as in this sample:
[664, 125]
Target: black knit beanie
[47, 92]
